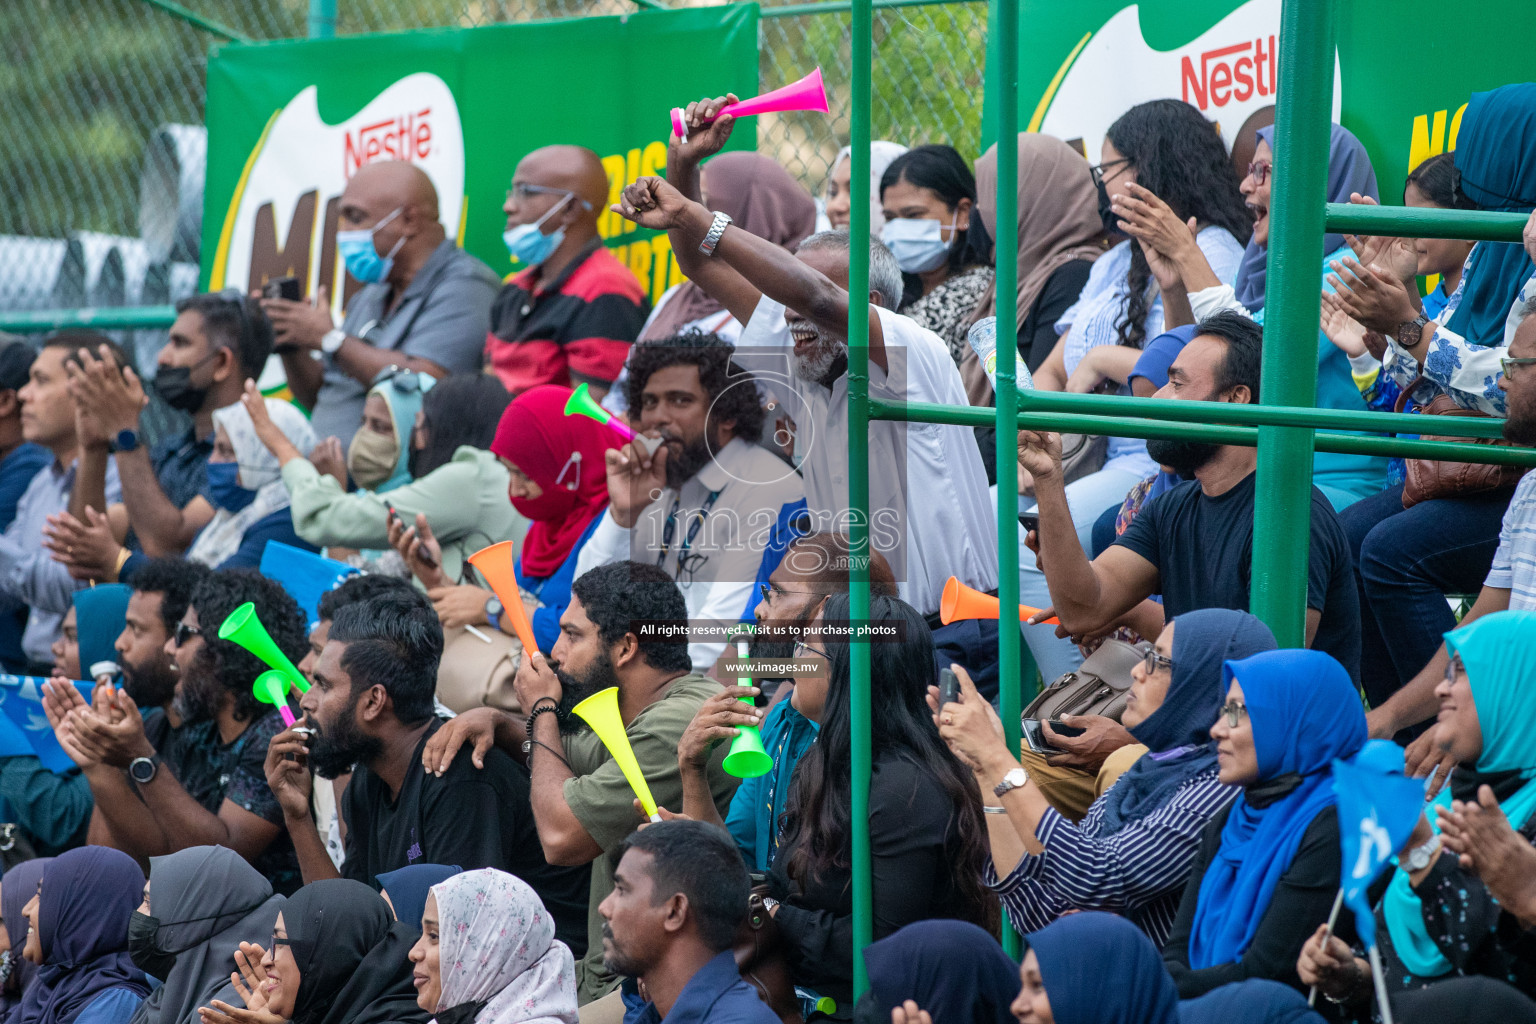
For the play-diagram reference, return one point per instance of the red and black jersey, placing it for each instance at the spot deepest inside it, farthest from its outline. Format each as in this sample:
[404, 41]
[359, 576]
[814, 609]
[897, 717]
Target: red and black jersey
[575, 329]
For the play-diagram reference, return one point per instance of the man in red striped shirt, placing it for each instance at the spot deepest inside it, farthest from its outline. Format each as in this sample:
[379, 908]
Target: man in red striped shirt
[571, 315]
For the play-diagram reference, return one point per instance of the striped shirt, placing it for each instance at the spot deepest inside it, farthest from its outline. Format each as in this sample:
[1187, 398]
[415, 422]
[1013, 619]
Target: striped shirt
[1138, 872]
[1514, 563]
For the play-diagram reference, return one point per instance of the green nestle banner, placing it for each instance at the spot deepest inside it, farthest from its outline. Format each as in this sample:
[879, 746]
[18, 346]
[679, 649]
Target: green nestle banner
[1404, 68]
[289, 123]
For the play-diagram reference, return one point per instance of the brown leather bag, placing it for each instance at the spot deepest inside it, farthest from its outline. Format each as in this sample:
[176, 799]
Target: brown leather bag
[1426, 479]
[760, 959]
[1098, 687]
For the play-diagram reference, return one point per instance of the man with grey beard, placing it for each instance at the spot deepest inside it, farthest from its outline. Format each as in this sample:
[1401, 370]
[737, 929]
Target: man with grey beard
[798, 306]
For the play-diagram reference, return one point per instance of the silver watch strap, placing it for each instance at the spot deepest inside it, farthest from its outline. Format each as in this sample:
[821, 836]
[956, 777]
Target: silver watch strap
[716, 229]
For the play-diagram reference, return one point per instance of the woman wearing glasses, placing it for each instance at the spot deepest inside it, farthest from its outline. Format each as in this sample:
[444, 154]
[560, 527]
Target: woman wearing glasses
[1269, 866]
[1133, 850]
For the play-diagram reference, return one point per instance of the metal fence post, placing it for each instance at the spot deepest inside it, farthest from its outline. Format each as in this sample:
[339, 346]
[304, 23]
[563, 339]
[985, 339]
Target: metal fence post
[1282, 518]
[322, 19]
[861, 43]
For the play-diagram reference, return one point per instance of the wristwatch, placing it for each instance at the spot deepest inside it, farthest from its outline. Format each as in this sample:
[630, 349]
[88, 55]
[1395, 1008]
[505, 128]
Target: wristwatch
[125, 440]
[331, 341]
[1013, 780]
[493, 610]
[716, 229]
[1420, 856]
[1409, 332]
[142, 769]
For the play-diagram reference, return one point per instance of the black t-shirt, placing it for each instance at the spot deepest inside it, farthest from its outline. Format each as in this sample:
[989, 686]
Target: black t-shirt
[472, 817]
[1203, 550]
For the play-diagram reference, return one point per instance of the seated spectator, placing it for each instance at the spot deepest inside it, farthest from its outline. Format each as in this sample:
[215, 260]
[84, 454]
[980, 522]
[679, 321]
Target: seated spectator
[927, 198]
[711, 507]
[552, 462]
[246, 483]
[679, 895]
[1510, 582]
[800, 305]
[1438, 920]
[582, 804]
[406, 889]
[201, 906]
[1064, 980]
[814, 568]
[217, 341]
[1268, 866]
[442, 469]
[77, 936]
[29, 576]
[371, 707]
[20, 461]
[1193, 545]
[837, 200]
[1132, 852]
[950, 970]
[17, 887]
[1196, 290]
[206, 787]
[335, 959]
[424, 305]
[488, 954]
[570, 316]
[925, 828]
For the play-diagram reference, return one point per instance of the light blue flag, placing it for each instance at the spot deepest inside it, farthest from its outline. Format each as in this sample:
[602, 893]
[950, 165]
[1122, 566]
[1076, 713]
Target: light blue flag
[21, 701]
[305, 575]
[1378, 807]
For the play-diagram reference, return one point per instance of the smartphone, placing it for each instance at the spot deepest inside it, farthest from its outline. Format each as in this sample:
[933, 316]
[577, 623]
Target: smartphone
[421, 552]
[949, 687]
[1030, 521]
[283, 288]
[1061, 728]
[1036, 738]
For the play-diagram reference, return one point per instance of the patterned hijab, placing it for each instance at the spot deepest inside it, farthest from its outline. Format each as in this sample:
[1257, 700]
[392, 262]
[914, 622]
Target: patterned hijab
[259, 472]
[499, 952]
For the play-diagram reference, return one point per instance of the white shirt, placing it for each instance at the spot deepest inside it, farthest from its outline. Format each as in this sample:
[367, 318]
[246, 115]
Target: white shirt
[947, 528]
[1514, 563]
[732, 549]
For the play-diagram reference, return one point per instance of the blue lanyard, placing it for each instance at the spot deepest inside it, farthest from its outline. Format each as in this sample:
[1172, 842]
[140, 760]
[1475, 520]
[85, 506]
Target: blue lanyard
[696, 521]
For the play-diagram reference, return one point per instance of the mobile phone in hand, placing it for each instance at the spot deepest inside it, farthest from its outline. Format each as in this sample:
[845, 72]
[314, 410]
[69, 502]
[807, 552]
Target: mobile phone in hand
[1061, 728]
[283, 288]
[421, 551]
[1030, 521]
[949, 687]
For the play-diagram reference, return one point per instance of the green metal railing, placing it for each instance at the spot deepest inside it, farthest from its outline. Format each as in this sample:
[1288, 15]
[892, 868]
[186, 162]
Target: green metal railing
[1285, 432]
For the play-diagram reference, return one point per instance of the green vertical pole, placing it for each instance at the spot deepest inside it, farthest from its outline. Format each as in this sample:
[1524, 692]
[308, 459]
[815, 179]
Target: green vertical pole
[1005, 100]
[322, 19]
[861, 40]
[1282, 516]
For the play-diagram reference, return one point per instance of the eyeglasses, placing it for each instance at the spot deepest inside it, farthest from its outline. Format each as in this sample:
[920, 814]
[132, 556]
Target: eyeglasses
[404, 380]
[279, 940]
[802, 646]
[1097, 170]
[1453, 668]
[1508, 365]
[1151, 661]
[523, 192]
[1234, 711]
[184, 633]
[1259, 171]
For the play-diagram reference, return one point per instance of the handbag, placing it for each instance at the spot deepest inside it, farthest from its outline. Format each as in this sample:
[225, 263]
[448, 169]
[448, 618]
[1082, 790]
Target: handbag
[473, 673]
[761, 961]
[1425, 479]
[1099, 685]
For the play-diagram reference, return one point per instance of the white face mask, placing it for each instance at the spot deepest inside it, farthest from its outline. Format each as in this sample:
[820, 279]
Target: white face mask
[918, 245]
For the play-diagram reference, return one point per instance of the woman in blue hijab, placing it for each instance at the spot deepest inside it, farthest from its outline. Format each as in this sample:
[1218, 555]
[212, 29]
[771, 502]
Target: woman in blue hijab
[1097, 968]
[405, 889]
[1134, 848]
[952, 969]
[1268, 869]
[78, 938]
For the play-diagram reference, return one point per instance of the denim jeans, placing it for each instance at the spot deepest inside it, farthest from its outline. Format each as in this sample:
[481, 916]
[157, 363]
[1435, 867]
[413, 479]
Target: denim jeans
[1406, 561]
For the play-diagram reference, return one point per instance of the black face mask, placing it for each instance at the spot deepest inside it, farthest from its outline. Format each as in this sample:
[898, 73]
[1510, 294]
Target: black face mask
[142, 949]
[174, 386]
[1106, 212]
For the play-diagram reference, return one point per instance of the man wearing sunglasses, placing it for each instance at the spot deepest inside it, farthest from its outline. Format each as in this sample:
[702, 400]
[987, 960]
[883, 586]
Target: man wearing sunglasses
[424, 302]
[572, 312]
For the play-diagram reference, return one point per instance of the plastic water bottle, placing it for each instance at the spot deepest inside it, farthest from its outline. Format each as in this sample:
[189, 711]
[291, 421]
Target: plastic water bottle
[982, 338]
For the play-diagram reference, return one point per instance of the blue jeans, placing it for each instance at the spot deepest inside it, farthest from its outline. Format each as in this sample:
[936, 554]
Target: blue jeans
[1406, 561]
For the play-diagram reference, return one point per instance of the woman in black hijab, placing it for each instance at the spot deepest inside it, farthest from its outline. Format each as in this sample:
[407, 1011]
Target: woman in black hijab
[336, 958]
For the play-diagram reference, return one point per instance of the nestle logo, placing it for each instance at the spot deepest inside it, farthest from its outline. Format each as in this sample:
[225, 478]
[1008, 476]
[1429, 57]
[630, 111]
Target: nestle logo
[403, 137]
[1238, 72]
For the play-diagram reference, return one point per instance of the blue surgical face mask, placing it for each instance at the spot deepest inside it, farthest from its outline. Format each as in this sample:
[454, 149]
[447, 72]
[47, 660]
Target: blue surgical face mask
[918, 245]
[362, 257]
[224, 486]
[528, 244]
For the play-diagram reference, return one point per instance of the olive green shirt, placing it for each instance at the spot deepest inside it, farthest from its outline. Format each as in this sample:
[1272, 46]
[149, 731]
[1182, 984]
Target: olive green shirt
[602, 801]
